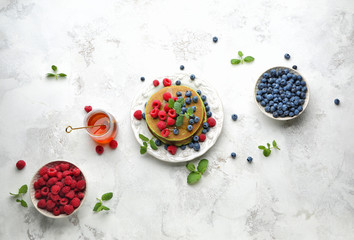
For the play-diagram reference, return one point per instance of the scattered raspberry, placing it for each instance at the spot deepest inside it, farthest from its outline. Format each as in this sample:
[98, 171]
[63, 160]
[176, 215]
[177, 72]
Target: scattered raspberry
[154, 112]
[56, 211]
[64, 166]
[113, 144]
[170, 121]
[67, 173]
[38, 194]
[43, 171]
[172, 113]
[156, 83]
[202, 137]
[76, 171]
[161, 125]
[44, 191]
[175, 98]
[55, 189]
[211, 121]
[88, 109]
[165, 132]
[63, 201]
[156, 104]
[20, 164]
[138, 114]
[75, 202]
[166, 108]
[50, 205]
[52, 172]
[172, 149]
[166, 82]
[42, 204]
[166, 96]
[70, 194]
[68, 209]
[80, 195]
[81, 184]
[162, 115]
[99, 149]
[68, 180]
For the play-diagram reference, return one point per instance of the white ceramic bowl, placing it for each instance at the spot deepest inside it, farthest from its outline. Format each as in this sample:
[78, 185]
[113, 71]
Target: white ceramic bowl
[32, 190]
[270, 114]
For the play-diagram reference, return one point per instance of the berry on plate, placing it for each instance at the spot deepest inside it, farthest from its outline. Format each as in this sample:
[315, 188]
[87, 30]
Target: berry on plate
[20, 164]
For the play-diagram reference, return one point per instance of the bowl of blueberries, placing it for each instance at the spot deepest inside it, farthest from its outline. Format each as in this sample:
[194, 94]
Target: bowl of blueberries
[281, 93]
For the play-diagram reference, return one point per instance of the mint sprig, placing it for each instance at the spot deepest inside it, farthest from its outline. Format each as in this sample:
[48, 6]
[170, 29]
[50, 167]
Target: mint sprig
[146, 141]
[267, 150]
[196, 175]
[247, 59]
[22, 191]
[54, 68]
[99, 205]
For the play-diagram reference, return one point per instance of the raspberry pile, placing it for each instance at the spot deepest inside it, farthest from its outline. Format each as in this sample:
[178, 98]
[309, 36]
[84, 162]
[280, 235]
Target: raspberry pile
[60, 189]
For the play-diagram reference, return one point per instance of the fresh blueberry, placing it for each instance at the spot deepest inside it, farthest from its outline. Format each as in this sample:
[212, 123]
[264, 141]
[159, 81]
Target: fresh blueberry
[199, 92]
[296, 112]
[181, 67]
[194, 108]
[142, 79]
[196, 119]
[192, 116]
[291, 114]
[249, 159]
[275, 114]
[204, 131]
[188, 93]
[205, 125]
[209, 114]
[190, 145]
[183, 147]
[295, 67]
[287, 56]
[195, 138]
[259, 98]
[188, 101]
[266, 75]
[196, 146]
[195, 99]
[206, 104]
[215, 39]
[158, 142]
[143, 115]
[184, 110]
[178, 94]
[166, 146]
[178, 82]
[207, 108]
[208, 129]
[175, 131]
[336, 101]
[234, 117]
[233, 155]
[189, 128]
[192, 77]
[267, 109]
[204, 98]
[191, 121]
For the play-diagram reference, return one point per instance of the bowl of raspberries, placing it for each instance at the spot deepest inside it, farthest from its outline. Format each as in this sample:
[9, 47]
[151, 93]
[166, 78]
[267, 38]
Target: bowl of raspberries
[281, 93]
[58, 189]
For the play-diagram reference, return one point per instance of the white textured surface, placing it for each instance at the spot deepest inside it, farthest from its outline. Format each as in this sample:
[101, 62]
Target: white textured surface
[303, 191]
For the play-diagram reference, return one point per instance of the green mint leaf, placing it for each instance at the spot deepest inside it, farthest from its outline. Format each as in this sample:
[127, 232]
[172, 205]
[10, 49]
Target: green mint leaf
[142, 150]
[181, 101]
[261, 147]
[193, 177]
[100, 208]
[235, 61]
[54, 68]
[190, 167]
[266, 152]
[51, 75]
[23, 189]
[105, 208]
[142, 137]
[23, 203]
[268, 145]
[240, 54]
[177, 107]
[62, 75]
[249, 59]
[18, 200]
[190, 111]
[275, 145]
[186, 115]
[145, 144]
[153, 144]
[99, 204]
[179, 121]
[171, 103]
[107, 196]
[202, 165]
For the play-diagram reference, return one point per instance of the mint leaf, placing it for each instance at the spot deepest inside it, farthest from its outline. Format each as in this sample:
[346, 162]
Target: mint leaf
[171, 103]
[142, 150]
[62, 75]
[145, 144]
[193, 177]
[266, 152]
[235, 61]
[107, 196]
[142, 137]
[18, 200]
[261, 147]
[105, 208]
[179, 121]
[240, 54]
[249, 59]
[54, 68]
[23, 203]
[181, 101]
[186, 115]
[274, 143]
[100, 208]
[190, 167]
[202, 166]
[177, 107]
[268, 145]
[153, 144]
[97, 206]
[190, 111]
[23, 189]
[51, 75]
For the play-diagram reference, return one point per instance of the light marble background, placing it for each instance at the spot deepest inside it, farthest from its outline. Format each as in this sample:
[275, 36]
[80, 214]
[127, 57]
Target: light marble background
[304, 191]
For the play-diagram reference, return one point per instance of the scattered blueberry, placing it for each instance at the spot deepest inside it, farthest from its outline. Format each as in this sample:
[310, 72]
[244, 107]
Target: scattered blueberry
[192, 116]
[194, 108]
[158, 142]
[190, 145]
[188, 93]
[196, 146]
[207, 108]
[178, 82]
[287, 56]
[205, 125]
[199, 92]
[295, 67]
[234, 117]
[196, 119]
[249, 159]
[181, 67]
[188, 100]
[233, 155]
[195, 99]
[143, 115]
[205, 103]
[203, 97]
[215, 39]
[204, 131]
[142, 79]
[336, 101]
[166, 146]
[183, 147]
[195, 138]
[175, 131]
[192, 77]
[209, 114]
[189, 128]
[191, 121]
[178, 94]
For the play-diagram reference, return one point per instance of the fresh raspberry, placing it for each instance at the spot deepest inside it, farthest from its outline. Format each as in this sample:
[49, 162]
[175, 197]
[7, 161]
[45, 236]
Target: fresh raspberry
[41, 182]
[162, 115]
[64, 201]
[165, 132]
[67, 173]
[166, 108]
[66, 189]
[161, 125]
[20, 164]
[52, 172]
[42, 204]
[61, 208]
[166, 96]
[156, 83]
[68, 209]
[50, 205]
[37, 194]
[81, 184]
[138, 114]
[166, 82]
[70, 194]
[57, 167]
[156, 104]
[172, 149]
[175, 98]
[54, 197]
[154, 112]
[76, 171]
[75, 202]
[172, 113]
[73, 184]
[211, 121]
[113, 144]
[88, 109]
[64, 166]
[170, 121]
[55, 189]
[99, 149]
[36, 185]
[44, 191]
[45, 177]
[43, 171]
[52, 181]
[68, 180]
[59, 175]
[202, 137]
[60, 184]
[56, 211]
[80, 195]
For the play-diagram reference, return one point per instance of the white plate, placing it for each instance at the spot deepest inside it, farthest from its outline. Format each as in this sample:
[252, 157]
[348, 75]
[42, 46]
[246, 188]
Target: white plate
[189, 153]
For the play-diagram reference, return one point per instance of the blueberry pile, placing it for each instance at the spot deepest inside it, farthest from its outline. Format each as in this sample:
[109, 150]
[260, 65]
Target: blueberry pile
[281, 93]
